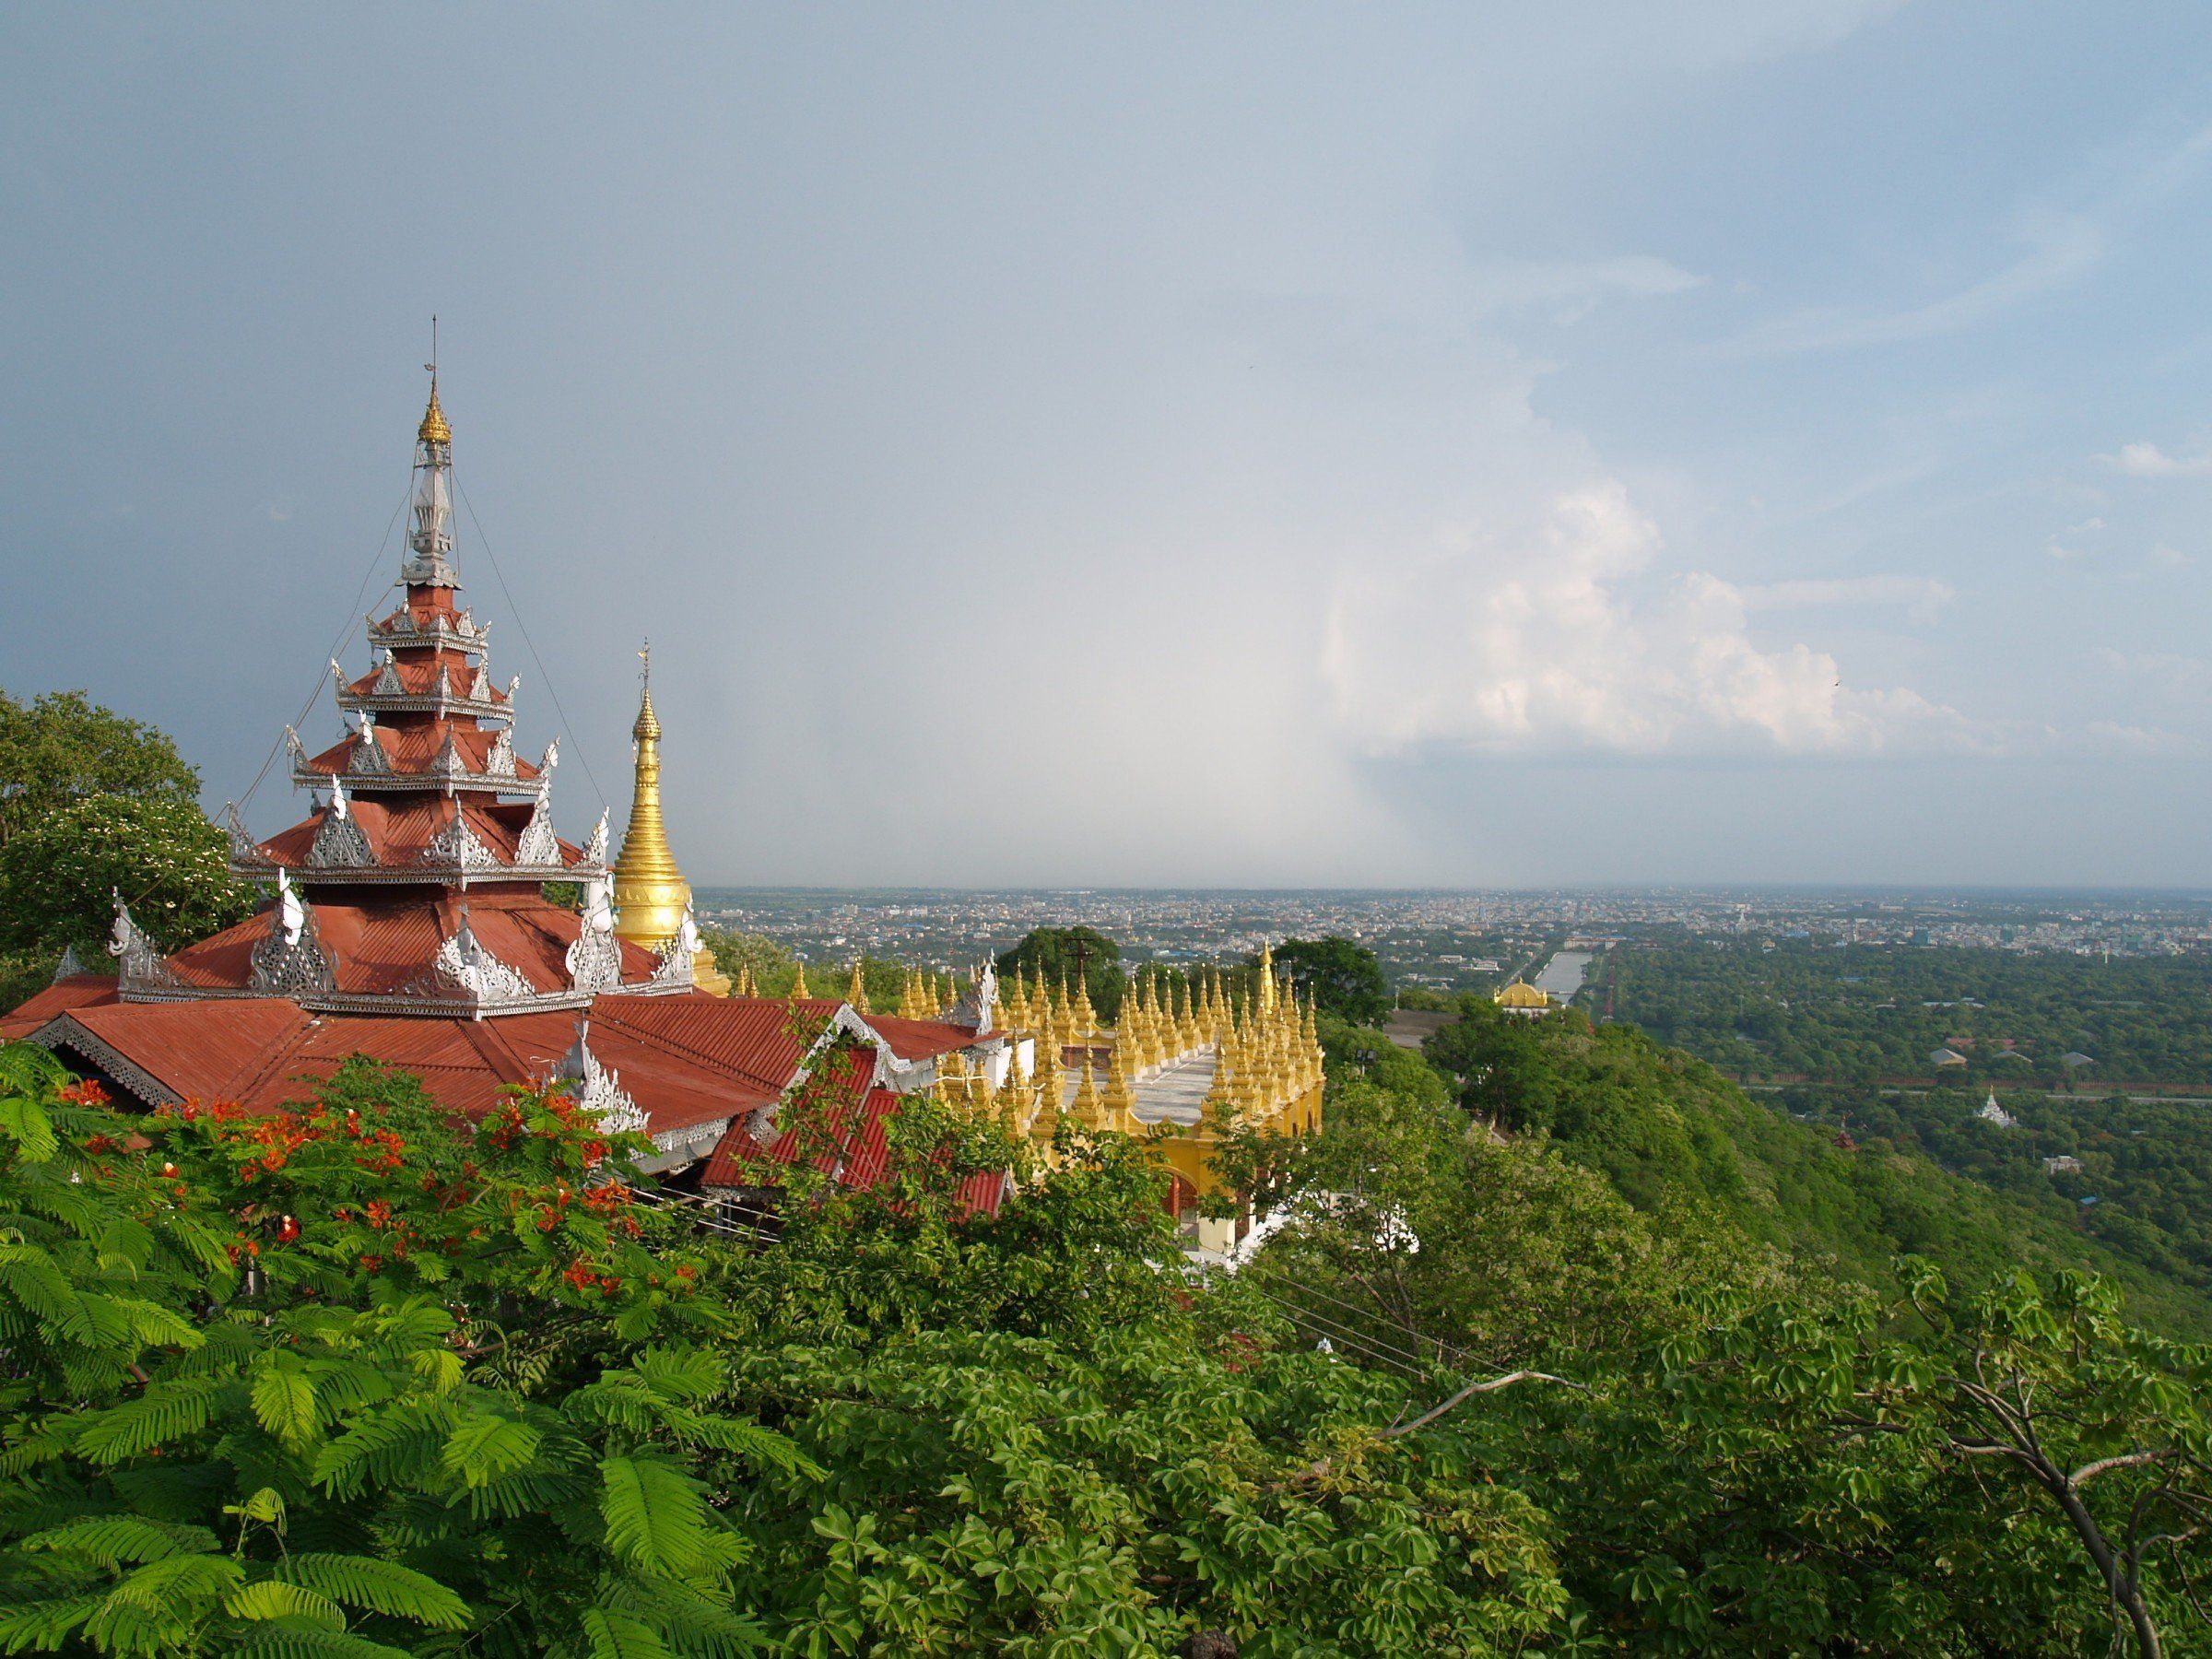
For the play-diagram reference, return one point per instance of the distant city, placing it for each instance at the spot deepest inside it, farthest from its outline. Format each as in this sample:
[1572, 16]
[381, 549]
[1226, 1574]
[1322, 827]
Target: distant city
[1451, 941]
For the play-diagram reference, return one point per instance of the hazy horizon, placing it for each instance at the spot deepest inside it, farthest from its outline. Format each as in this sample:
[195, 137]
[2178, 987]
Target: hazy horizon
[1408, 448]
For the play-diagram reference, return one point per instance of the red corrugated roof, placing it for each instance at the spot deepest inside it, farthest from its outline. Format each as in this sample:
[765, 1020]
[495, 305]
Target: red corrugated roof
[398, 827]
[78, 991]
[381, 942]
[417, 673]
[412, 748]
[853, 1144]
[920, 1038]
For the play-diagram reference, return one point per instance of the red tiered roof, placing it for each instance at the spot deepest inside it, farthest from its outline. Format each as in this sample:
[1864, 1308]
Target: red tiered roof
[413, 750]
[359, 962]
[400, 827]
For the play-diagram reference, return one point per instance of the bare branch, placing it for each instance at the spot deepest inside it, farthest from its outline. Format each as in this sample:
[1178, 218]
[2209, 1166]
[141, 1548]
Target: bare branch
[1472, 1389]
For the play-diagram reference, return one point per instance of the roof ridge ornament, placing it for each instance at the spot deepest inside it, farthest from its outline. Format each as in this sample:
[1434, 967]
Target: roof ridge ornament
[140, 965]
[464, 964]
[600, 1089]
[292, 962]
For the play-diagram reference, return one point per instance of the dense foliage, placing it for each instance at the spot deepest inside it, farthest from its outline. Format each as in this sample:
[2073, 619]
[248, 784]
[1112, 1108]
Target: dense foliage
[1072, 955]
[1344, 976]
[62, 747]
[92, 805]
[1859, 1013]
[1666, 1130]
[361, 1378]
[2143, 1184]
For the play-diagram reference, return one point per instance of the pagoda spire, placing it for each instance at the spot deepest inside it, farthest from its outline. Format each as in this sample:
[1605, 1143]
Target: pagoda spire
[651, 894]
[431, 537]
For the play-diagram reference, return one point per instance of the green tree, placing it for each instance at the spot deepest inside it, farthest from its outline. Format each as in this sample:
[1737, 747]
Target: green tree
[1344, 977]
[1072, 954]
[58, 877]
[352, 1380]
[63, 746]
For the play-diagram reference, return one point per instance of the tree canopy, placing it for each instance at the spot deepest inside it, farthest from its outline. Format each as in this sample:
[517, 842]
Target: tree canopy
[62, 747]
[1344, 977]
[1079, 955]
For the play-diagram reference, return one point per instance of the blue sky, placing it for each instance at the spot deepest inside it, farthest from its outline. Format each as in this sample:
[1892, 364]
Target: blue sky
[1290, 444]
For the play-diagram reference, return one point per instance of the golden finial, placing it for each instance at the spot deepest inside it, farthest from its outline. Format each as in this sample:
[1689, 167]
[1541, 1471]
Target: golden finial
[798, 984]
[857, 992]
[433, 429]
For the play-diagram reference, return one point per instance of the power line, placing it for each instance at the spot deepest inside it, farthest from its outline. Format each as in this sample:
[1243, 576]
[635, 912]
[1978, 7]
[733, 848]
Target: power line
[515, 611]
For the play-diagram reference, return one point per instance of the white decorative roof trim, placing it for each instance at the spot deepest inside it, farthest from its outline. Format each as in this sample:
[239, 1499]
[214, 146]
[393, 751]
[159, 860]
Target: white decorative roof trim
[499, 762]
[598, 1088]
[292, 962]
[594, 961]
[457, 847]
[462, 963]
[245, 851]
[388, 683]
[595, 850]
[367, 752]
[677, 956]
[340, 844]
[140, 964]
[539, 847]
[69, 967]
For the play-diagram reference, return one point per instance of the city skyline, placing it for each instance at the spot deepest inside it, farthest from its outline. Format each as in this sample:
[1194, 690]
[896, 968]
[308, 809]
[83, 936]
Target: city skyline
[1397, 448]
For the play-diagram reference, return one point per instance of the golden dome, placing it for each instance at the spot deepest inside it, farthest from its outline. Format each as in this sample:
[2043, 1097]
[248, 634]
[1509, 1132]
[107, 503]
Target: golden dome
[1520, 995]
[433, 429]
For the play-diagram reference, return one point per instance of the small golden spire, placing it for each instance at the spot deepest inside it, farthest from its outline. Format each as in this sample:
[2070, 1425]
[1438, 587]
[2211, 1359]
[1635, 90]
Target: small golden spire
[798, 984]
[857, 992]
[433, 429]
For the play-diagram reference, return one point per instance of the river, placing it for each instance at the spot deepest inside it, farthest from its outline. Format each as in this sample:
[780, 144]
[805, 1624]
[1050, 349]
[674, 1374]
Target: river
[1563, 976]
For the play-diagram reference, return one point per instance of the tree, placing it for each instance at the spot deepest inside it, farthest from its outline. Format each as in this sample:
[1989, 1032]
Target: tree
[1344, 977]
[1503, 1068]
[62, 748]
[1079, 954]
[58, 878]
[354, 1380]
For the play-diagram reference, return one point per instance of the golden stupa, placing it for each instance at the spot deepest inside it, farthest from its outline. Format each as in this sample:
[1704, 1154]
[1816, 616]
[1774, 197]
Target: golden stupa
[651, 894]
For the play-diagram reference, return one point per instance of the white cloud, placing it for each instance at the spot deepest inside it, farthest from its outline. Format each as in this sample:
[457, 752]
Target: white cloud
[1544, 648]
[1572, 287]
[2148, 461]
[2062, 248]
[1921, 597]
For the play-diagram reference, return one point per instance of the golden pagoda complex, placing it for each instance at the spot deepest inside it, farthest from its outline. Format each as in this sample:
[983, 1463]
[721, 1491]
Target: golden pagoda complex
[1182, 1068]
[652, 900]
[1524, 999]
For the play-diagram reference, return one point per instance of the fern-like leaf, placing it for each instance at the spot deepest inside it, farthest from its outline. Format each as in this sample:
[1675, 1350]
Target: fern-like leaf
[655, 1514]
[618, 1636]
[378, 1586]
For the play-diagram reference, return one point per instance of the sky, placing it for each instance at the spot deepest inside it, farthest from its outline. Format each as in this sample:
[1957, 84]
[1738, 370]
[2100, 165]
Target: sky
[1242, 445]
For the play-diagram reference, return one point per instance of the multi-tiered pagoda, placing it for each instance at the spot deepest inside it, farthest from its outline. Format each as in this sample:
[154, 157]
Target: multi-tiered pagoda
[407, 922]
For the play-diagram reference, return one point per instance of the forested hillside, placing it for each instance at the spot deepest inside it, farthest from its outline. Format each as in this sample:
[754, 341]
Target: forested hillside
[1854, 1013]
[1605, 1360]
[1668, 1131]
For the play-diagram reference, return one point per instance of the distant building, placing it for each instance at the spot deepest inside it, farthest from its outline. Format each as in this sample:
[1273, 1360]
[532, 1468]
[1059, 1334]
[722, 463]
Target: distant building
[2074, 1060]
[2066, 1163]
[1943, 1058]
[1991, 1113]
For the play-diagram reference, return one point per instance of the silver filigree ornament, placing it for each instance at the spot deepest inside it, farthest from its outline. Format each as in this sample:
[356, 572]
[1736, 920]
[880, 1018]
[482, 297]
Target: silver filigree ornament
[464, 965]
[340, 842]
[675, 966]
[598, 1088]
[594, 961]
[538, 847]
[139, 962]
[292, 962]
[457, 847]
